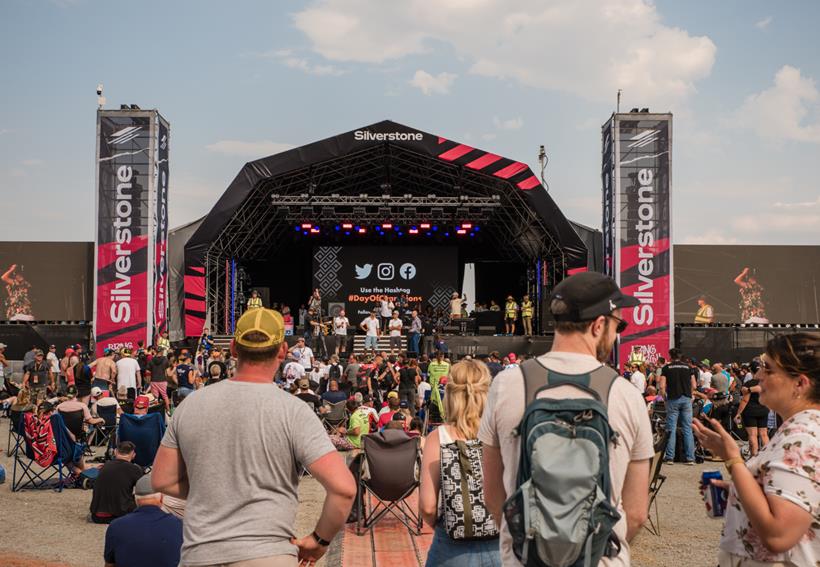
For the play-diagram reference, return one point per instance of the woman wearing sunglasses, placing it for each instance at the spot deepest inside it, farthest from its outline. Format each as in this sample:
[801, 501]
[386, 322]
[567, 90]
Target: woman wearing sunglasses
[773, 511]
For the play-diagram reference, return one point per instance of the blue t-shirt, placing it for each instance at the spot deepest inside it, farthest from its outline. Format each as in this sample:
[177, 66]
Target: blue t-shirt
[334, 397]
[146, 536]
[182, 376]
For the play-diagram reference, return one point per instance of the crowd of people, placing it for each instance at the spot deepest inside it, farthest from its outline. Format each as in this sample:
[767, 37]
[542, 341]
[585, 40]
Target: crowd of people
[244, 424]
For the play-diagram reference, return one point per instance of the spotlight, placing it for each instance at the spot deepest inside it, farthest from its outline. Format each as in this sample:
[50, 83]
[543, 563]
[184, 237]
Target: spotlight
[461, 231]
[387, 226]
[307, 225]
[337, 228]
[476, 229]
[347, 225]
[467, 225]
[435, 228]
[362, 230]
[347, 233]
[425, 226]
[413, 231]
[298, 228]
[446, 234]
[314, 230]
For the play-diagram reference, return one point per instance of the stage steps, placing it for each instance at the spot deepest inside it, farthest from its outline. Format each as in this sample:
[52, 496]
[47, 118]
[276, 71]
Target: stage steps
[224, 342]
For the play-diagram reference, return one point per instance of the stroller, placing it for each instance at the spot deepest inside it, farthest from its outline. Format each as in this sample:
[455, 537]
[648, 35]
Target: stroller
[705, 408]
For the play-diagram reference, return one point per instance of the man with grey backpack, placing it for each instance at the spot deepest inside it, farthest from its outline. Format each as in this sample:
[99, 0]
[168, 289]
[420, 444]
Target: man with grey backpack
[566, 443]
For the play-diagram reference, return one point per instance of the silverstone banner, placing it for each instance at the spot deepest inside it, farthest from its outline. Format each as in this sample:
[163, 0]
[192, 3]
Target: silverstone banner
[160, 221]
[642, 220]
[359, 276]
[127, 202]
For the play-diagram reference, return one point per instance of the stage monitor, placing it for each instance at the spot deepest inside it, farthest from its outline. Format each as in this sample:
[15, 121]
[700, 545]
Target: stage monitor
[359, 275]
[748, 284]
[46, 281]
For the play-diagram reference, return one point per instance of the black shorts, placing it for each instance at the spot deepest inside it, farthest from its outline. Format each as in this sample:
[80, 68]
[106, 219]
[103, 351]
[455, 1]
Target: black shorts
[759, 420]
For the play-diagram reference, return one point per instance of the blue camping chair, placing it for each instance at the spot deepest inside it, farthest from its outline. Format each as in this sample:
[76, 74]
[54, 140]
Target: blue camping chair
[145, 432]
[32, 475]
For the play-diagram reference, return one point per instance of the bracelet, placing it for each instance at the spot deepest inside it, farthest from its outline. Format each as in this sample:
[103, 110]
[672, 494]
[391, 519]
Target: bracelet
[319, 540]
[732, 462]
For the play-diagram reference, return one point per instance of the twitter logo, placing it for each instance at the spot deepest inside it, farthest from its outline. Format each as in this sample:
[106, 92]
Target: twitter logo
[363, 271]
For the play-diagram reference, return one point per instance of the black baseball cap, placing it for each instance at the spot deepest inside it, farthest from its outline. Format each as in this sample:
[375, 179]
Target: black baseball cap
[589, 295]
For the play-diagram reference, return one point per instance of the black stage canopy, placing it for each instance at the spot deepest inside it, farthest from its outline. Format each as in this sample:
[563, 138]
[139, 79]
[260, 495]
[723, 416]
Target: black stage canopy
[378, 173]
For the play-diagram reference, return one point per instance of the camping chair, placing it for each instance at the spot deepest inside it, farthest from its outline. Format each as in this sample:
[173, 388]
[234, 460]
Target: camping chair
[104, 434]
[390, 475]
[35, 475]
[656, 480]
[15, 423]
[336, 417]
[432, 415]
[145, 432]
[75, 422]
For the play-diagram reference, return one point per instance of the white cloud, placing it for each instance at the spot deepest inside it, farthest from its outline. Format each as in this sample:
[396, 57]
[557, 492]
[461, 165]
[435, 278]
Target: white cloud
[4, 131]
[510, 124]
[433, 84]
[764, 23]
[488, 137]
[291, 60]
[588, 48]
[779, 113]
[248, 149]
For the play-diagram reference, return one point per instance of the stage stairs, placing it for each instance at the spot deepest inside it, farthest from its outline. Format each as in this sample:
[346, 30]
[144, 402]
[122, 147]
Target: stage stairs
[224, 342]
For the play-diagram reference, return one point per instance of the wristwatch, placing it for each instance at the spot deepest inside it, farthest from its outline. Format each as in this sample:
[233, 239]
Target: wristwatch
[732, 462]
[319, 540]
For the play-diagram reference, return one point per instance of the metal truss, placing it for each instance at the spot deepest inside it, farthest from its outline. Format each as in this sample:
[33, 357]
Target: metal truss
[353, 188]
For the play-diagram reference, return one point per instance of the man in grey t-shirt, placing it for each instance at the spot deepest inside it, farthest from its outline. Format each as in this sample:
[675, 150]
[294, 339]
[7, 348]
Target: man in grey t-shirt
[235, 451]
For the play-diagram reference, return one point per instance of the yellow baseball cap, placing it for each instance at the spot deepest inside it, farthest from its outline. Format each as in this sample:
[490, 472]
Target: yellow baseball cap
[265, 321]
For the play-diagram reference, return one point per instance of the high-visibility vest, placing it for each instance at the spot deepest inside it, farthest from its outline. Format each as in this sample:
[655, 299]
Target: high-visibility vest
[636, 357]
[163, 343]
[526, 308]
[702, 317]
[254, 303]
[511, 309]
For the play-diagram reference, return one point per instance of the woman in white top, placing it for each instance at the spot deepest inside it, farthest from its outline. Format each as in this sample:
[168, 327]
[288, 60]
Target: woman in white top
[464, 399]
[773, 510]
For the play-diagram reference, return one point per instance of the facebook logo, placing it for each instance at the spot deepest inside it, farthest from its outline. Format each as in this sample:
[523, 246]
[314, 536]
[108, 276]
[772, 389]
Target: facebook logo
[407, 271]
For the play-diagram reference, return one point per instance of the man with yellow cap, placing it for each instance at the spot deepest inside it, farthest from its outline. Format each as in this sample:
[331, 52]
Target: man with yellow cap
[231, 450]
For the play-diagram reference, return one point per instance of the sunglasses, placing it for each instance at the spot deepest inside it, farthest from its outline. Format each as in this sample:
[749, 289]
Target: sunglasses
[622, 325]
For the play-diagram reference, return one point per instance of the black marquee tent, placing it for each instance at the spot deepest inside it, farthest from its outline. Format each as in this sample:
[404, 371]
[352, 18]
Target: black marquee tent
[385, 169]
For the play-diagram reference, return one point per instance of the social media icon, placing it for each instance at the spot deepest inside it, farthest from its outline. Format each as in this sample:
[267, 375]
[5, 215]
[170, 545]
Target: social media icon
[386, 271]
[407, 271]
[363, 271]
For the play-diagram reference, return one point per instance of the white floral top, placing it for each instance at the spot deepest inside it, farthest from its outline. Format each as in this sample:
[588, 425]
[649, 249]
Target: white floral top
[788, 467]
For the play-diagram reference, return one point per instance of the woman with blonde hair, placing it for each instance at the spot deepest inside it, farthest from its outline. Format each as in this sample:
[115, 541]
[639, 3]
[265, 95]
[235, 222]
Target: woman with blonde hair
[452, 478]
[773, 510]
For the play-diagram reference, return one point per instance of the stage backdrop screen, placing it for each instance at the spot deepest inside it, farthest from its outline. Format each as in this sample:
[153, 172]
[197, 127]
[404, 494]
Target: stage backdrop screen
[748, 284]
[358, 275]
[46, 281]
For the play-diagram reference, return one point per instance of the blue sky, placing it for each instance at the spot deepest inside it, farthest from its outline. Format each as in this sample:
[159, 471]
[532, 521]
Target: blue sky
[242, 79]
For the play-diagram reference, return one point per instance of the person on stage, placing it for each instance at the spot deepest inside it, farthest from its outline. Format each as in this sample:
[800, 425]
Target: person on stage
[526, 314]
[340, 326]
[371, 328]
[385, 311]
[255, 302]
[510, 315]
[705, 314]
[315, 302]
[455, 306]
[752, 307]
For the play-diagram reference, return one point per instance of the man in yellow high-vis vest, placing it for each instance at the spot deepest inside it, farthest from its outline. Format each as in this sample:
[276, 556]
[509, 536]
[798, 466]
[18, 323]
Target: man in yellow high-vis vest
[705, 313]
[526, 314]
[255, 302]
[510, 315]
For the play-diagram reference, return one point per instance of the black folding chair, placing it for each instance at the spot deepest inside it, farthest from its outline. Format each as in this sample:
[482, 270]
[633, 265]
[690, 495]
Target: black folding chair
[656, 481]
[390, 474]
[75, 422]
[15, 421]
[336, 417]
[105, 434]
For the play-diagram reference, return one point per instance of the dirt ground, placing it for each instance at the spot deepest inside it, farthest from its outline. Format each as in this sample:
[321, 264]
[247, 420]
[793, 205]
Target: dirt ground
[44, 528]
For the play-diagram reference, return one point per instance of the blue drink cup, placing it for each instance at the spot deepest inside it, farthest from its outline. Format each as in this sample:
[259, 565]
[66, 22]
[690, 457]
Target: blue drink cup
[714, 496]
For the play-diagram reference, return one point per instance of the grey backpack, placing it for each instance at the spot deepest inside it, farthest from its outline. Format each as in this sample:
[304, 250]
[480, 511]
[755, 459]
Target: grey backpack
[560, 514]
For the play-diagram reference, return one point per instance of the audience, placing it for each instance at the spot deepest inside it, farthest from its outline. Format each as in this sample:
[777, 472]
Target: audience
[113, 490]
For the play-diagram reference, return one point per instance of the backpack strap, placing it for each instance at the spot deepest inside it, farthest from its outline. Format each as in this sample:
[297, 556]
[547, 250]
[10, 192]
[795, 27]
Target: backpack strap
[536, 376]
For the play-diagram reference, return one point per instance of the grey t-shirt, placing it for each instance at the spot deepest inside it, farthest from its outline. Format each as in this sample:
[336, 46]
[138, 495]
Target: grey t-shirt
[243, 445]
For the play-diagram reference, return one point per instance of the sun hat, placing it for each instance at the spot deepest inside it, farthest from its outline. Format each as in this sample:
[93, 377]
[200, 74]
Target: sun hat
[265, 321]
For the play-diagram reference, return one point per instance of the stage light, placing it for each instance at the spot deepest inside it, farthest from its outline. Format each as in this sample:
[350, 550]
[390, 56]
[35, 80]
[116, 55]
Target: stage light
[413, 231]
[425, 226]
[467, 225]
[401, 234]
[298, 228]
[429, 234]
[362, 230]
[435, 228]
[307, 225]
[347, 225]
[305, 233]
[314, 230]
[387, 226]
[337, 228]
[472, 234]
[476, 229]
[446, 234]
[347, 233]
[461, 231]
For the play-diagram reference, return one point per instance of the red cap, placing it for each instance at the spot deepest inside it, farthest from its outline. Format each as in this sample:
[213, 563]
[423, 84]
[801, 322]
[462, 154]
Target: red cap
[512, 357]
[141, 402]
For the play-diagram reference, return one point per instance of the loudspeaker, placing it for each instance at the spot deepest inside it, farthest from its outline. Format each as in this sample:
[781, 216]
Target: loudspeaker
[333, 308]
[547, 320]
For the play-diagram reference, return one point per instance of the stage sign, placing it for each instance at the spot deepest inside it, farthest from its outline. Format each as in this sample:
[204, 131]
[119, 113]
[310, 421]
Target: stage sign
[127, 174]
[748, 284]
[359, 276]
[46, 281]
[642, 221]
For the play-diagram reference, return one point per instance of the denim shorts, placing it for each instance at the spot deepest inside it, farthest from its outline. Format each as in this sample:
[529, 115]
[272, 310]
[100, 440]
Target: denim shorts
[447, 552]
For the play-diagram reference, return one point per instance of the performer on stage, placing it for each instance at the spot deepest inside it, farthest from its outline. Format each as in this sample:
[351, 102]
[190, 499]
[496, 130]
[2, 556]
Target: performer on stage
[255, 302]
[526, 314]
[510, 315]
[340, 326]
[315, 302]
[455, 306]
[705, 314]
[752, 307]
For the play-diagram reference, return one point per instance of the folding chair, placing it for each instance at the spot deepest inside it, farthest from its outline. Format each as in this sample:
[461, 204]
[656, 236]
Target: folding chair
[104, 434]
[15, 421]
[145, 432]
[75, 422]
[390, 475]
[336, 417]
[35, 475]
[656, 481]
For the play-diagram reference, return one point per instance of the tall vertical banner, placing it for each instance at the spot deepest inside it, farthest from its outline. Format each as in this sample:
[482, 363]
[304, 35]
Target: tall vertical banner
[126, 237]
[160, 220]
[642, 229]
[608, 194]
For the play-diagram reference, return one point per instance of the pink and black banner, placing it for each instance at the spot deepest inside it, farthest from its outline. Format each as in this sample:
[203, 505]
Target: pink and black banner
[160, 222]
[641, 227]
[131, 218]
